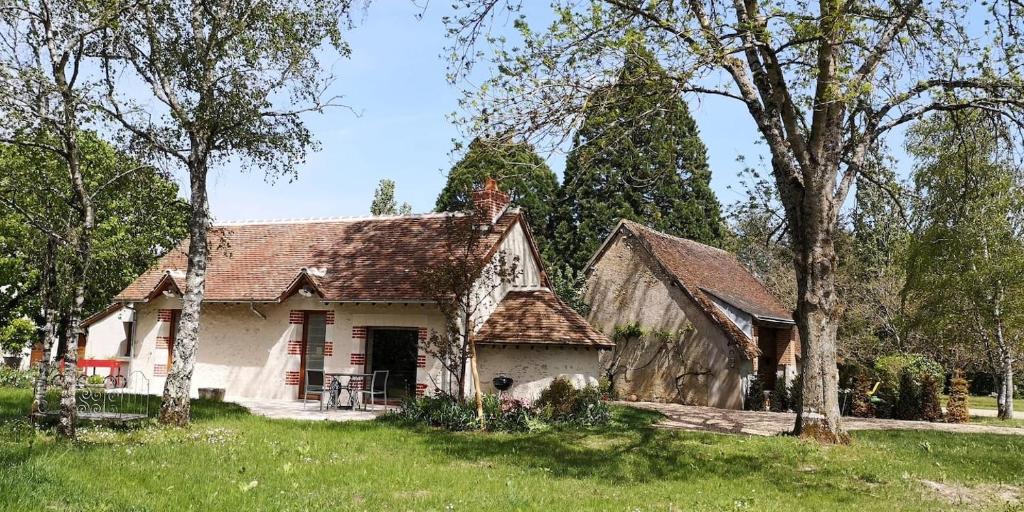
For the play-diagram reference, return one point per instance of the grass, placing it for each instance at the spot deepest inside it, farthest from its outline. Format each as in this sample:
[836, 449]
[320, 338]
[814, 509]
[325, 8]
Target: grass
[229, 460]
[986, 402]
[1017, 422]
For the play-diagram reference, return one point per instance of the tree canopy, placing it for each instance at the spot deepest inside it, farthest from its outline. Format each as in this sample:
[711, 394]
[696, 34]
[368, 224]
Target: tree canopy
[139, 216]
[637, 156]
[966, 260]
[384, 202]
[519, 171]
[824, 83]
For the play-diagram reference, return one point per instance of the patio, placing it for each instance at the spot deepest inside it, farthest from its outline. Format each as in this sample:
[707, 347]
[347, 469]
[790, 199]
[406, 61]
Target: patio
[294, 410]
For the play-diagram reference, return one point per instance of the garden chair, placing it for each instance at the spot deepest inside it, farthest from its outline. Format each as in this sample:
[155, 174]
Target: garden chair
[378, 387]
[314, 386]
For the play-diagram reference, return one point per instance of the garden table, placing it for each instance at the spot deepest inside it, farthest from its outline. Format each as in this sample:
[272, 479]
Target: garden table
[353, 393]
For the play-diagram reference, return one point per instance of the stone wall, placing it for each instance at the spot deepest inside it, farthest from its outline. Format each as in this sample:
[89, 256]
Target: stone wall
[685, 358]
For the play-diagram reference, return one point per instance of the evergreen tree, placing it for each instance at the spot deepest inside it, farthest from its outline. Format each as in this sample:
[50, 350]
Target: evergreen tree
[519, 171]
[627, 162]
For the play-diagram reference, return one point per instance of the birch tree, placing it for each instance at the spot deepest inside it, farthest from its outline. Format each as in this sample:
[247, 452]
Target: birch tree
[823, 82]
[231, 80]
[47, 104]
[966, 268]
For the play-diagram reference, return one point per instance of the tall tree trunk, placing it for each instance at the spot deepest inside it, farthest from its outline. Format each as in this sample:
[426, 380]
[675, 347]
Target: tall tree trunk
[1005, 392]
[817, 318]
[68, 409]
[1004, 395]
[175, 408]
[48, 288]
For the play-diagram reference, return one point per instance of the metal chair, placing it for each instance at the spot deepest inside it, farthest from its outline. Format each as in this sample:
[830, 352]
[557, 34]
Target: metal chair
[314, 386]
[378, 387]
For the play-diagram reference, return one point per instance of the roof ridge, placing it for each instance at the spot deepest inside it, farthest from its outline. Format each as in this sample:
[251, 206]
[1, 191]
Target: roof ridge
[679, 238]
[321, 220]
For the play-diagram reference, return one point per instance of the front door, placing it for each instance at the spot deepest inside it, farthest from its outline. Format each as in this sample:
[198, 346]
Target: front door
[395, 351]
[314, 336]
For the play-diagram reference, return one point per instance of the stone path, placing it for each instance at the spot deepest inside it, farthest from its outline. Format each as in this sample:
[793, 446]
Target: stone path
[294, 410]
[694, 418]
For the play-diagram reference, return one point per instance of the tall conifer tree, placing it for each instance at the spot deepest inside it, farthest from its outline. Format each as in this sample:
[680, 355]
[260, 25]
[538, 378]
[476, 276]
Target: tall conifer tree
[520, 172]
[639, 156]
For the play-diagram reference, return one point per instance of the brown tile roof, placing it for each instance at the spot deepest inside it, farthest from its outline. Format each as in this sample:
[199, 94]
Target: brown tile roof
[705, 272]
[371, 259]
[538, 317]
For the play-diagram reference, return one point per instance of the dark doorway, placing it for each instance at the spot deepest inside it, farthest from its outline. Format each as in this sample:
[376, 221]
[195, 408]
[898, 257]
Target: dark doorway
[314, 334]
[767, 363]
[394, 350]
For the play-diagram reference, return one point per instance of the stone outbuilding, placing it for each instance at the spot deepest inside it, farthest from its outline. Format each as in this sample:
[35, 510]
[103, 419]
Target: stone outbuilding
[691, 325]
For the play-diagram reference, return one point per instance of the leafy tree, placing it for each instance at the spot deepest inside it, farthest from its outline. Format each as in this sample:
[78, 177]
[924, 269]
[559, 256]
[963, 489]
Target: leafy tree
[138, 217]
[232, 80]
[966, 264]
[872, 270]
[519, 171]
[462, 285]
[823, 82]
[17, 335]
[758, 236]
[384, 200]
[48, 101]
[625, 164]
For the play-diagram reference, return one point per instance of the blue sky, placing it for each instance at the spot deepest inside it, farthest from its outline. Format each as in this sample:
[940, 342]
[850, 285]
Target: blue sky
[395, 79]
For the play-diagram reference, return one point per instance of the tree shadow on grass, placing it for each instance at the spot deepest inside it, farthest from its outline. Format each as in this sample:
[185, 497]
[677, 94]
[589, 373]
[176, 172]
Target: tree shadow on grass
[16, 402]
[630, 450]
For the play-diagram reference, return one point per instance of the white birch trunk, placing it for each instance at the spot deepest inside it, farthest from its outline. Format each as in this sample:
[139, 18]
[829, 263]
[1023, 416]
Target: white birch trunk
[175, 407]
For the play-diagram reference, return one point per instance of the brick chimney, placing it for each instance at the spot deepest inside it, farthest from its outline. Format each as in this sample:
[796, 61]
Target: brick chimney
[490, 201]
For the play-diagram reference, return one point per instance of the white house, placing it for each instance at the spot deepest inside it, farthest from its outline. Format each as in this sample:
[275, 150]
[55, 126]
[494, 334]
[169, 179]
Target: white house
[342, 295]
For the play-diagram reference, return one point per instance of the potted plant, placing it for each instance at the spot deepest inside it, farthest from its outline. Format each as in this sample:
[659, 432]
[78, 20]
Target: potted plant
[14, 338]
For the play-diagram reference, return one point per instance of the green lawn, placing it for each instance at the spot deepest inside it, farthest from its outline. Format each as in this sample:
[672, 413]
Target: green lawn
[1017, 422]
[229, 460]
[987, 402]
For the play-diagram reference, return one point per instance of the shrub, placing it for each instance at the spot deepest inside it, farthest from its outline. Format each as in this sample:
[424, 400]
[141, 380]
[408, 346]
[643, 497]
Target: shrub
[908, 405]
[558, 399]
[440, 410]
[755, 395]
[890, 371]
[957, 410]
[562, 403]
[796, 392]
[780, 396]
[506, 414]
[12, 378]
[862, 384]
[589, 409]
[931, 410]
[95, 380]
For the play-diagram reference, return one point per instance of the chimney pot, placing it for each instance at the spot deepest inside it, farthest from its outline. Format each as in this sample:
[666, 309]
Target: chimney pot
[490, 201]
